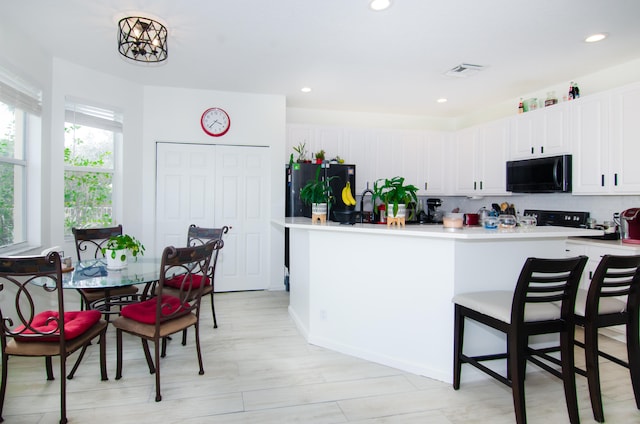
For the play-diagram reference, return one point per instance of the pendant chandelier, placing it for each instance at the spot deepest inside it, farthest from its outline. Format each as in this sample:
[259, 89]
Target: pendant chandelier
[142, 39]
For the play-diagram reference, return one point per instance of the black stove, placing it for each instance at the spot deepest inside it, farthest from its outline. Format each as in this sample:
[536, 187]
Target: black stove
[559, 218]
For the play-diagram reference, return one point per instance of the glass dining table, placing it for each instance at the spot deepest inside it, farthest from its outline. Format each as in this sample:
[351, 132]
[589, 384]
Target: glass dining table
[94, 274]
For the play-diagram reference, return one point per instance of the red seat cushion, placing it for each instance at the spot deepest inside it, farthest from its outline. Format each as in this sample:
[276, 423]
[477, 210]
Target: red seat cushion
[196, 281]
[145, 311]
[75, 324]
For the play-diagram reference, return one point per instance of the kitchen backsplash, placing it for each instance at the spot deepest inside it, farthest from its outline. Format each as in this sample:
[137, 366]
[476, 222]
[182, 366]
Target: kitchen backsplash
[601, 208]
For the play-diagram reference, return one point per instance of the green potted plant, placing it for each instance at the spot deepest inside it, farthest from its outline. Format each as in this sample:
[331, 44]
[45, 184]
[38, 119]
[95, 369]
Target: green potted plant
[301, 150]
[318, 193]
[395, 194]
[119, 247]
[320, 157]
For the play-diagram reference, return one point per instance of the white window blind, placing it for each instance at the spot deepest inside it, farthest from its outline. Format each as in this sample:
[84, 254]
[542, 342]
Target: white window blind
[18, 93]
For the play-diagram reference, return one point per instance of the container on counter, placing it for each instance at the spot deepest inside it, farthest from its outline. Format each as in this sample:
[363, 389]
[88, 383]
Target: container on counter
[453, 221]
[527, 221]
[491, 222]
[507, 221]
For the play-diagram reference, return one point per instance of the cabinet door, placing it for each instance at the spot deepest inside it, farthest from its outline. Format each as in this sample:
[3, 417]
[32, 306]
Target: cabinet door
[411, 145]
[625, 141]
[556, 137]
[360, 149]
[465, 162]
[590, 133]
[522, 133]
[434, 165]
[330, 140]
[542, 132]
[492, 154]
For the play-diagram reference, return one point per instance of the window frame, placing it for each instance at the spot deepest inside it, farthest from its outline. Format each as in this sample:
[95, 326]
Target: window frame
[89, 114]
[26, 100]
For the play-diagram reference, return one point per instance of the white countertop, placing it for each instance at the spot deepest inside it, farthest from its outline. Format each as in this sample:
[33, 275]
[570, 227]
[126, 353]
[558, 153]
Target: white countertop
[438, 231]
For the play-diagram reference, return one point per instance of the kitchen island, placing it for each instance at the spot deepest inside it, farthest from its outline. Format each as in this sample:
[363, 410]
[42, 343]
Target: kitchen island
[384, 294]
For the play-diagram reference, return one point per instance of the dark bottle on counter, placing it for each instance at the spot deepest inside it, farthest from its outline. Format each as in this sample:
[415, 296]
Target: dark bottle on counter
[576, 91]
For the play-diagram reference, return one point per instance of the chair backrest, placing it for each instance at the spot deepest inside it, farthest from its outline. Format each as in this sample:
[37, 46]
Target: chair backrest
[187, 264]
[615, 277]
[90, 241]
[32, 281]
[548, 281]
[200, 235]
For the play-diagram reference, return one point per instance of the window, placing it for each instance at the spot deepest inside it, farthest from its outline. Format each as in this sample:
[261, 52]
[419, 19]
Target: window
[91, 137]
[19, 108]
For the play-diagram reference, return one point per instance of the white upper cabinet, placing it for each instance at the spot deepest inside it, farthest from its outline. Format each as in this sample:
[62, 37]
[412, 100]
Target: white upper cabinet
[434, 167]
[361, 150]
[542, 132]
[605, 133]
[625, 131]
[590, 133]
[481, 154]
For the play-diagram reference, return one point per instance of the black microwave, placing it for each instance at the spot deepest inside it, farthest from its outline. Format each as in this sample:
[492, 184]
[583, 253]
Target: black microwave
[541, 175]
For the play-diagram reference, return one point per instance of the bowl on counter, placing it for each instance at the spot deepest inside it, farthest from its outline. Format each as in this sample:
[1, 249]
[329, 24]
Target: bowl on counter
[507, 221]
[527, 221]
[490, 222]
[453, 221]
[346, 216]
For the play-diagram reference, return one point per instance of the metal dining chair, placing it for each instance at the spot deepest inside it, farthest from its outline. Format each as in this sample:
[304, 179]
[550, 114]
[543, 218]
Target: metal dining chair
[164, 314]
[30, 282]
[89, 243]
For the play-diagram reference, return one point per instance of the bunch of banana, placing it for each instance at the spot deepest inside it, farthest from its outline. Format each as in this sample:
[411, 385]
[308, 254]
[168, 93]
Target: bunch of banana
[347, 197]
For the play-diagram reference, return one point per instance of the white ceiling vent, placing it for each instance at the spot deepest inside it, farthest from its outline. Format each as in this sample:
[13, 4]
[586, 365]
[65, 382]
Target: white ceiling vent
[464, 70]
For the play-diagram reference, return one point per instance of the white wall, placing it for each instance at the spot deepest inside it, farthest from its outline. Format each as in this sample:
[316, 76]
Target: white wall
[84, 84]
[605, 79]
[173, 115]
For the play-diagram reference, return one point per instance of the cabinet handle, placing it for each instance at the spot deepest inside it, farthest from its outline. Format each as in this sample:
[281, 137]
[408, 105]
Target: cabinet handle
[615, 179]
[541, 149]
[425, 185]
[474, 185]
[602, 180]
[480, 185]
[590, 275]
[532, 150]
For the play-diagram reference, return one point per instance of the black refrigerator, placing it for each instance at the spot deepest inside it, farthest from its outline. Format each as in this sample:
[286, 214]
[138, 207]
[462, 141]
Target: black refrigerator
[297, 175]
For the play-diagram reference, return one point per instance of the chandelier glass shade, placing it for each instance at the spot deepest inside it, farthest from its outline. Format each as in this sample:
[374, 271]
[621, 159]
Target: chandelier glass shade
[142, 39]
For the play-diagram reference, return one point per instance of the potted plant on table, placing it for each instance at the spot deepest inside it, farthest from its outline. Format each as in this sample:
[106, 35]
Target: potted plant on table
[119, 247]
[320, 157]
[395, 194]
[318, 193]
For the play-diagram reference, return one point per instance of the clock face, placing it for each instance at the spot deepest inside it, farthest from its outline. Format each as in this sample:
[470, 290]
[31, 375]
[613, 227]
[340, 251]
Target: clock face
[215, 122]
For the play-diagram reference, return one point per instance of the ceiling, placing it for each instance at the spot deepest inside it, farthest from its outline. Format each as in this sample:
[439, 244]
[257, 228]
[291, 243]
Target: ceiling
[352, 58]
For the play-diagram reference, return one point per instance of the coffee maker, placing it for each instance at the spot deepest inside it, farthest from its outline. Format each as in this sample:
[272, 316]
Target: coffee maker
[433, 215]
[630, 226]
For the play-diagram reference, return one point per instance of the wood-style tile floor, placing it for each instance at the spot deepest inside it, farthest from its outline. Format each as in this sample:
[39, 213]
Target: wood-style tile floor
[258, 369]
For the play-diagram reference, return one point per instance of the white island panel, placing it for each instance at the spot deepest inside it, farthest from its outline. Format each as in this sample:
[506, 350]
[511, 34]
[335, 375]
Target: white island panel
[384, 294]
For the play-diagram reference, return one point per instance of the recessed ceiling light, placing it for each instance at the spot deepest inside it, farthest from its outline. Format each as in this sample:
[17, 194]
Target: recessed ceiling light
[378, 5]
[305, 89]
[442, 100]
[595, 38]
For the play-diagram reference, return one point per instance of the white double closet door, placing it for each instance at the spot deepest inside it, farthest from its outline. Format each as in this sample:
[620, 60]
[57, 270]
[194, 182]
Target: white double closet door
[212, 186]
